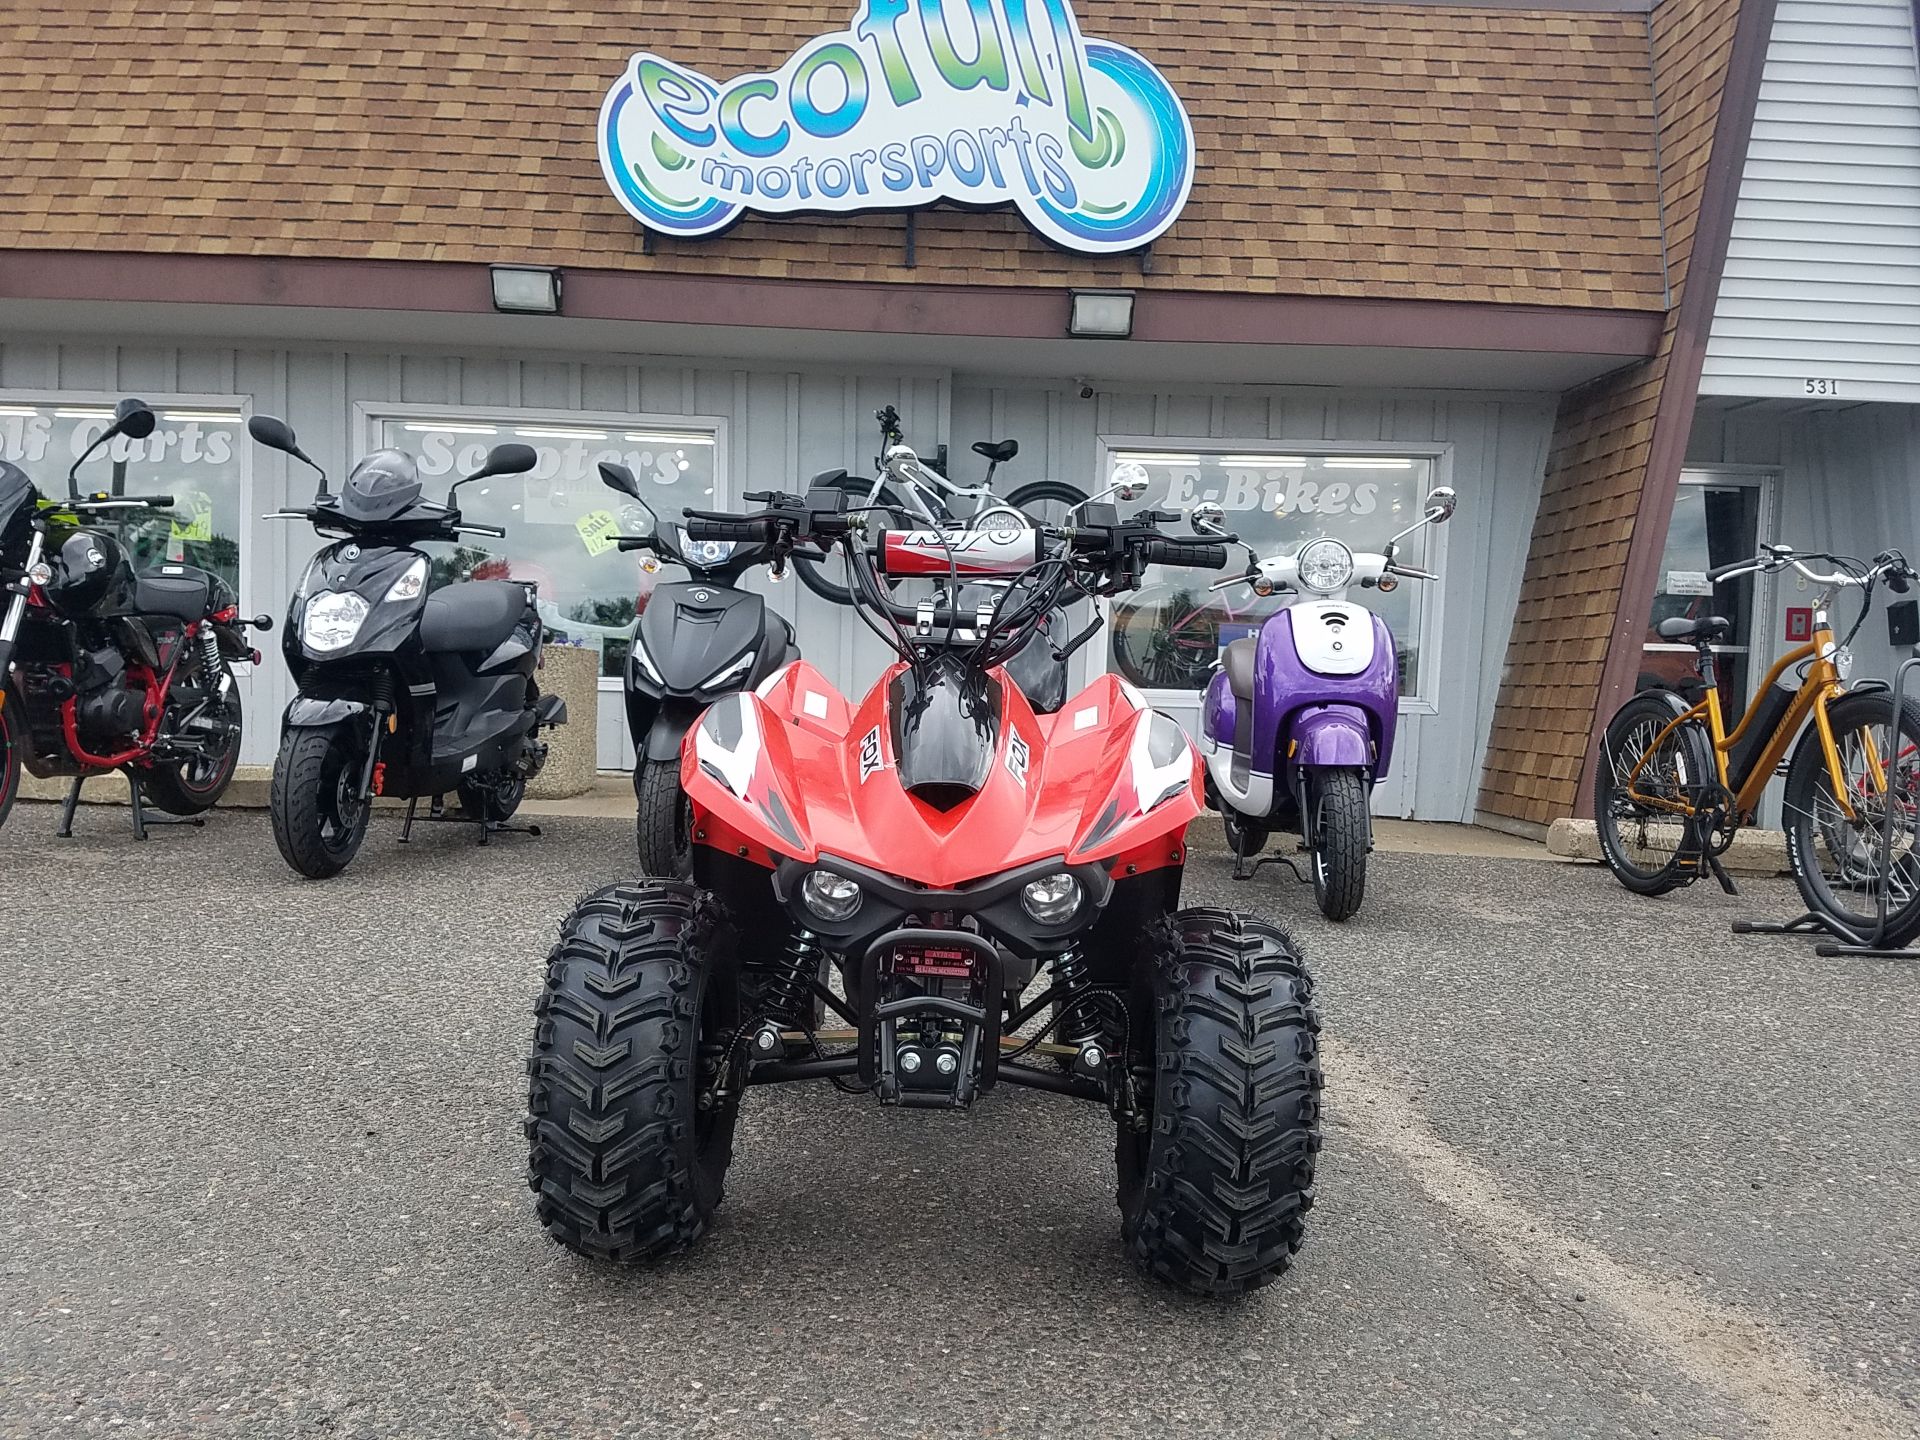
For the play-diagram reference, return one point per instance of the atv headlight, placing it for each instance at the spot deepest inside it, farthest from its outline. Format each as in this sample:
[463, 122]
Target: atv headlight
[1325, 566]
[411, 582]
[1051, 899]
[332, 620]
[830, 896]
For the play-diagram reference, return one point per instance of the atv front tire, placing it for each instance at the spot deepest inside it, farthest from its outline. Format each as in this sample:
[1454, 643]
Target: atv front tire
[626, 1165]
[1214, 1192]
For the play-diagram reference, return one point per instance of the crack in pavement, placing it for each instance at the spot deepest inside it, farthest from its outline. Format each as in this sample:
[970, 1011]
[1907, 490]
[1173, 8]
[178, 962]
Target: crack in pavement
[1719, 1346]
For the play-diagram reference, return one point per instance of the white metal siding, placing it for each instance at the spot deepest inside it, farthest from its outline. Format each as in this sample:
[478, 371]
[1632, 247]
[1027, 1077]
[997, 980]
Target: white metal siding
[784, 425]
[1822, 288]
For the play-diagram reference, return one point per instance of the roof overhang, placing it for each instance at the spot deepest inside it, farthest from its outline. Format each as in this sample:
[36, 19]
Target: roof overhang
[1185, 336]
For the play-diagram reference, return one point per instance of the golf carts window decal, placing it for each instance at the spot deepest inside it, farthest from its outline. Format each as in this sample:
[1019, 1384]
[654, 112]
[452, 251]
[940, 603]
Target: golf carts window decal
[984, 102]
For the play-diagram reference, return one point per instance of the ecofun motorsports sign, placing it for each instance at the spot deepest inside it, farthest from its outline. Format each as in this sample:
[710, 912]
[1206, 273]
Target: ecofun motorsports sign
[983, 102]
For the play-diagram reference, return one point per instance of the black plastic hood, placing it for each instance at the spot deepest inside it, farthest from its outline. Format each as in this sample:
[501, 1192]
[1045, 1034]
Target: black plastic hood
[693, 631]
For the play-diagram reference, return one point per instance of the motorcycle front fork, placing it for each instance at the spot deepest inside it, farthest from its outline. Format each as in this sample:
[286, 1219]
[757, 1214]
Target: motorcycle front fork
[16, 611]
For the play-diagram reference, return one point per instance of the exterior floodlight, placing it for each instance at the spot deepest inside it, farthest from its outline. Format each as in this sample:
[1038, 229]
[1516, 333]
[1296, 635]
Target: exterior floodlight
[526, 289]
[1101, 314]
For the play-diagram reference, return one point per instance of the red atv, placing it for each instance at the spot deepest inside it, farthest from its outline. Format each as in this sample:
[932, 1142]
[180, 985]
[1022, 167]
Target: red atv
[990, 886]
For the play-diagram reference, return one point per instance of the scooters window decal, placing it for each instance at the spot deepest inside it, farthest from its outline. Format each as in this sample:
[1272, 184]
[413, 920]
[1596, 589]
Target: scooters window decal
[985, 102]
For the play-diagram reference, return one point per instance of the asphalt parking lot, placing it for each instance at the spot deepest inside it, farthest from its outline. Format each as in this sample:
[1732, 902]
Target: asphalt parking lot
[1593, 1167]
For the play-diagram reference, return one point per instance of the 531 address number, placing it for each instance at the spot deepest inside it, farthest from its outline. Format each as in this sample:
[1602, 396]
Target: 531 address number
[1822, 387]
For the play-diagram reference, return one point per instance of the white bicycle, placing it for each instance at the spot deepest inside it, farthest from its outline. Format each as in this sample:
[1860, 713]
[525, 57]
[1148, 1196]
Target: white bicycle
[909, 494]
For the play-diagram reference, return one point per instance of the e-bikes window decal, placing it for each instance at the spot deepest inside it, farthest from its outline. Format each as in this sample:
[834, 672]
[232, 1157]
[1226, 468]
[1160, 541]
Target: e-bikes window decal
[984, 102]
[1167, 635]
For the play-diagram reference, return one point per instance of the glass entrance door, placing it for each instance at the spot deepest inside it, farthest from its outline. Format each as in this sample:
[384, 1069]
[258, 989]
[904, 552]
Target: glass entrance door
[1716, 521]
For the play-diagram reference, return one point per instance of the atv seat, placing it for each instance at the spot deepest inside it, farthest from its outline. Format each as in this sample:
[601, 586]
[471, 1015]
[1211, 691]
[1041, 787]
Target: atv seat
[998, 451]
[185, 592]
[1702, 630]
[1237, 659]
[471, 615]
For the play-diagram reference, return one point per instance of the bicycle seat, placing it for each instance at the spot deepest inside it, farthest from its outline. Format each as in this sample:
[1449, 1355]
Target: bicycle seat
[998, 451]
[1703, 630]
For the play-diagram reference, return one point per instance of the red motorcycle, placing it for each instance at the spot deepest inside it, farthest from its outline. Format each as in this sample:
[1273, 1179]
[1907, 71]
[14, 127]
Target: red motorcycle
[916, 897]
[104, 668]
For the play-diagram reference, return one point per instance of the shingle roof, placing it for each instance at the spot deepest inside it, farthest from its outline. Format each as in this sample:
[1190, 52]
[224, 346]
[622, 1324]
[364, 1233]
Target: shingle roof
[1378, 150]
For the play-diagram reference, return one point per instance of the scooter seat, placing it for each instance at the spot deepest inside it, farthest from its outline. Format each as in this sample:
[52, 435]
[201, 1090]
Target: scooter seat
[184, 594]
[471, 615]
[1238, 661]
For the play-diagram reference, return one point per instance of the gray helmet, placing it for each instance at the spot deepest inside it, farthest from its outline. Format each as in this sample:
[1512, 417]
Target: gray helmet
[381, 486]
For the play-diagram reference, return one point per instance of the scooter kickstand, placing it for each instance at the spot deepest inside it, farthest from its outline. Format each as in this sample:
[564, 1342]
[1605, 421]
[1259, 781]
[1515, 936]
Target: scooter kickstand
[65, 832]
[406, 830]
[1244, 871]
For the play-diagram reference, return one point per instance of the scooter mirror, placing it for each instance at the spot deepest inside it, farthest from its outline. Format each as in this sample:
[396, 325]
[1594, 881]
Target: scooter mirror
[619, 477]
[1128, 480]
[1209, 517]
[1440, 503]
[272, 432]
[133, 419]
[505, 460]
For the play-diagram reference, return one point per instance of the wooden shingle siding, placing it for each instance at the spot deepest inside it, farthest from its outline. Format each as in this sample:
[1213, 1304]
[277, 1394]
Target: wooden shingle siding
[1570, 611]
[1383, 151]
[1822, 286]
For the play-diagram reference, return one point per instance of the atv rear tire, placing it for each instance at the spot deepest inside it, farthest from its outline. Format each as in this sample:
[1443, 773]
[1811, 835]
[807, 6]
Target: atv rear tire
[626, 1165]
[664, 823]
[1213, 1194]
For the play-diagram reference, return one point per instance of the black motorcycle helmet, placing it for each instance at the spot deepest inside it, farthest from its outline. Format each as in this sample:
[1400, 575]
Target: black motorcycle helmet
[381, 486]
[17, 499]
[91, 575]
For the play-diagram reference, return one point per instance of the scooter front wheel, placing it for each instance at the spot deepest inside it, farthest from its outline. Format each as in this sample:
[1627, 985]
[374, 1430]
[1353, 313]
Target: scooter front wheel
[319, 815]
[665, 822]
[1340, 861]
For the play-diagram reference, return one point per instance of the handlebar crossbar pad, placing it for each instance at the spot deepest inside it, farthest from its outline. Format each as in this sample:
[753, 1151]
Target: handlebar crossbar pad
[1009, 550]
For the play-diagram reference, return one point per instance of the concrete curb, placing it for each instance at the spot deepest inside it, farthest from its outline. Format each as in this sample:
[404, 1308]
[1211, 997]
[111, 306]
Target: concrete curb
[1753, 852]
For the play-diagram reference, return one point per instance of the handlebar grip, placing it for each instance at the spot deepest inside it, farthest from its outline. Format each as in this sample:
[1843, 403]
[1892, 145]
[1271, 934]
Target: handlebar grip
[1198, 555]
[635, 542]
[729, 527]
[1716, 576]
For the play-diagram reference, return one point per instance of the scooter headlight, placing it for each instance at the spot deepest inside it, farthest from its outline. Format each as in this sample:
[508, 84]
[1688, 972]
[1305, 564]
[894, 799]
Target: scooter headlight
[1325, 566]
[1051, 899]
[830, 896]
[730, 672]
[332, 620]
[705, 552]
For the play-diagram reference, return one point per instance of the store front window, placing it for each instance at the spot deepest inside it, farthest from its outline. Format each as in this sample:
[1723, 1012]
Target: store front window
[1167, 634]
[559, 517]
[196, 454]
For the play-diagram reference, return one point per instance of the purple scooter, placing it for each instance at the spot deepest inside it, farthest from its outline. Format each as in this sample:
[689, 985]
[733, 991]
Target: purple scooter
[1297, 725]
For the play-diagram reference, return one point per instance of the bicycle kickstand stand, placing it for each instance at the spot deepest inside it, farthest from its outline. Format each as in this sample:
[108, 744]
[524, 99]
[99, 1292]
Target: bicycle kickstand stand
[1720, 874]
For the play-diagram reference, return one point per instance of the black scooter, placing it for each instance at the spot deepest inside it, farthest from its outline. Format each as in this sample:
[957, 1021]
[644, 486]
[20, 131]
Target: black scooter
[697, 639]
[403, 691]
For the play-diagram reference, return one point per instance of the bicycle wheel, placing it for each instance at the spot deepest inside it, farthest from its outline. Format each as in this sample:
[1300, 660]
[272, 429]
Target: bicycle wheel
[828, 578]
[1046, 502]
[1835, 855]
[1650, 847]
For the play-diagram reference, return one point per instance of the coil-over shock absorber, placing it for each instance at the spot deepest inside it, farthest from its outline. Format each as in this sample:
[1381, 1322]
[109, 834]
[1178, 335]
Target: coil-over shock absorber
[786, 1002]
[209, 654]
[1079, 1015]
